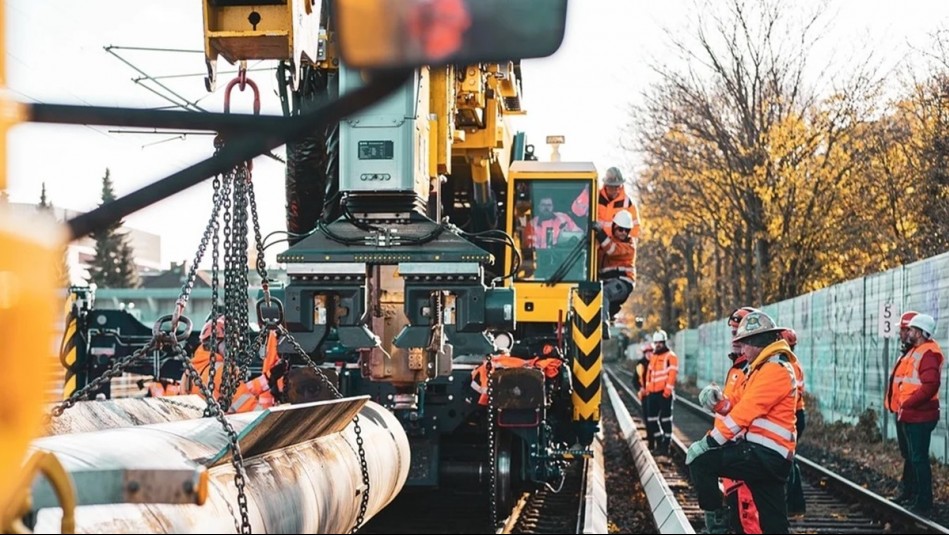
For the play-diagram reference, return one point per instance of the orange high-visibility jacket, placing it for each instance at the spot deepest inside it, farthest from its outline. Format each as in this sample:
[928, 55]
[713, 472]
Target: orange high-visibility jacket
[765, 413]
[607, 209]
[479, 376]
[914, 386]
[201, 360]
[734, 386]
[560, 222]
[799, 376]
[661, 375]
[619, 258]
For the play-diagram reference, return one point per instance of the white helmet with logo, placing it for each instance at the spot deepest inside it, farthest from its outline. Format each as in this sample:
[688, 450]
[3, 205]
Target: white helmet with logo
[623, 219]
[753, 323]
[925, 323]
[660, 336]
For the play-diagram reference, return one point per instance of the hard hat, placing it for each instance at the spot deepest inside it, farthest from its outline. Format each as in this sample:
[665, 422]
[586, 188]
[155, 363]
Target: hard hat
[738, 314]
[906, 317]
[753, 323]
[790, 336]
[623, 219]
[647, 348]
[219, 331]
[660, 336]
[925, 323]
[614, 177]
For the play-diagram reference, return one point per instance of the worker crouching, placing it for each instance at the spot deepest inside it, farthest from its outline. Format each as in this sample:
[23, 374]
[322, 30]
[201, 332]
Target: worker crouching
[765, 415]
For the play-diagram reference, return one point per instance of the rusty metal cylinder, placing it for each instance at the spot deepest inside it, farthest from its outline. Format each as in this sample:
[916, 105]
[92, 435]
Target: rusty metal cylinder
[294, 483]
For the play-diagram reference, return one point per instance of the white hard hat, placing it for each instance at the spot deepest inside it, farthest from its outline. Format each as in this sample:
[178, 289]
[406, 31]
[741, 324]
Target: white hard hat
[614, 177]
[925, 323]
[660, 336]
[623, 219]
[753, 323]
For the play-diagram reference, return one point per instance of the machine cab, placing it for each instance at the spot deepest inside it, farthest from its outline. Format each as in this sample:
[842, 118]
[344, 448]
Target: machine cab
[550, 219]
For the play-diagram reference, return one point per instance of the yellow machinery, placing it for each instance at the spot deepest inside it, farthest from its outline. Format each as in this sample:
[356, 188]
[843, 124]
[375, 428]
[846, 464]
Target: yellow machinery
[418, 265]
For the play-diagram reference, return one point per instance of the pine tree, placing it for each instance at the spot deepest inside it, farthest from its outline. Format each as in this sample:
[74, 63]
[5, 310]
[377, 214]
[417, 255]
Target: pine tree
[46, 206]
[113, 265]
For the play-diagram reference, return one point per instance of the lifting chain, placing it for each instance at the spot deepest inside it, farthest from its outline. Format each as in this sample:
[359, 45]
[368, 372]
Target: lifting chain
[363, 465]
[114, 370]
[492, 447]
[237, 458]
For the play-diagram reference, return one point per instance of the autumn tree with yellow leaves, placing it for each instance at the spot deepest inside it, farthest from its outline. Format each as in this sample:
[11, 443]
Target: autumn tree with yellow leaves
[759, 186]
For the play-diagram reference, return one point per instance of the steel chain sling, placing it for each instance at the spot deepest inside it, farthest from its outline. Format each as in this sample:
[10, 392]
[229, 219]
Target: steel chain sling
[357, 429]
[492, 447]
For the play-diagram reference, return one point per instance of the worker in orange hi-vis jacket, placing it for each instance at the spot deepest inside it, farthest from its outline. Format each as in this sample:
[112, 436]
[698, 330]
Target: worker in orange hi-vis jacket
[743, 514]
[618, 261]
[611, 199]
[795, 490]
[765, 415]
[207, 360]
[913, 394]
[660, 392]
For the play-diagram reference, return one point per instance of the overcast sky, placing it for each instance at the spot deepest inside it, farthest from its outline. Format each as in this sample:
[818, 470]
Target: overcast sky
[55, 54]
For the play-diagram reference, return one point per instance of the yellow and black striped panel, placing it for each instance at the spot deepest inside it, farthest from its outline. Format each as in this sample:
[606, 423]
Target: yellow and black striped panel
[67, 349]
[586, 336]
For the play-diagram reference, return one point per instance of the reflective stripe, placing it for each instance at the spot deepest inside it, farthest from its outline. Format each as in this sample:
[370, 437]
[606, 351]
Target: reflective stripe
[768, 443]
[477, 387]
[775, 428]
[911, 380]
[240, 401]
[718, 437]
[730, 424]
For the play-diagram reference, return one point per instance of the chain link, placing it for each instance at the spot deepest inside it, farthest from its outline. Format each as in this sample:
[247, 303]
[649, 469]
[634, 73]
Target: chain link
[115, 370]
[492, 447]
[363, 464]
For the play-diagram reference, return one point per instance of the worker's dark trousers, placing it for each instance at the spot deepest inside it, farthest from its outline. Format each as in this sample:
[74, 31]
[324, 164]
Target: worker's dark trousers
[654, 404]
[917, 438]
[660, 416]
[764, 471]
[795, 490]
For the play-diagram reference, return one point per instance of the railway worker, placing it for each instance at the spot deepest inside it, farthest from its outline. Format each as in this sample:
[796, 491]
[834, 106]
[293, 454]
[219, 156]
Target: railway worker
[547, 225]
[743, 515]
[795, 489]
[618, 264]
[764, 414]
[611, 199]
[907, 494]
[639, 378]
[660, 392]
[913, 394]
[248, 396]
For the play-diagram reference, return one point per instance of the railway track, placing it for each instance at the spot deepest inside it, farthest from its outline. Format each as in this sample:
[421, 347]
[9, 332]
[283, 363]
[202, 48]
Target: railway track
[834, 504]
[578, 505]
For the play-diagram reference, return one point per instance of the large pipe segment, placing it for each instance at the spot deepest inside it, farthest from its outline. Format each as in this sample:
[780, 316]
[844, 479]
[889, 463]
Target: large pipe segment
[302, 470]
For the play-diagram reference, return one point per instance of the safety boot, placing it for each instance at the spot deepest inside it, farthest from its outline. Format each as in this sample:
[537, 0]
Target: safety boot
[717, 521]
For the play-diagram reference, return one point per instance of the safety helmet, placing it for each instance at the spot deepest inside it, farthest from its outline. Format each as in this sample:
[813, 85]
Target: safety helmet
[737, 315]
[906, 317]
[660, 336]
[218, 332]
[753, 323]
[623, 219]
[647, 348]
[614, 177]
[790, 336]
[925, 323]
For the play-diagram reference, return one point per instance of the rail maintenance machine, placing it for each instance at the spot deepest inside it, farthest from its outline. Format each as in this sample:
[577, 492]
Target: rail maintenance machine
[433, 266]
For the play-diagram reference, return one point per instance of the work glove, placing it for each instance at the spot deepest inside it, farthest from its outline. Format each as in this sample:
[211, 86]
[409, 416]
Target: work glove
[697, 448]
[600, 235]
[710, 396]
